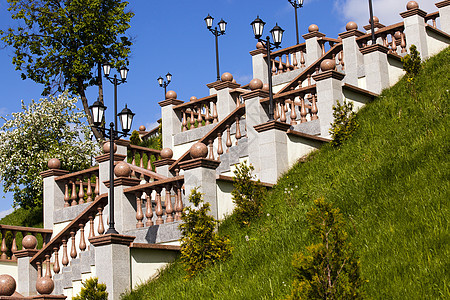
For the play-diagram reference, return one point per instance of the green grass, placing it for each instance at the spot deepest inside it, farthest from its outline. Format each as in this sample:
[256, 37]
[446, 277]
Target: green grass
[391, 180]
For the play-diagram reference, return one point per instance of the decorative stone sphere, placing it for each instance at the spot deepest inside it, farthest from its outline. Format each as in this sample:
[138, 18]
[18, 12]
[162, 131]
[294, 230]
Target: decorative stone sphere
[106, 147]
[412, 5]
[351, 26]
[265, 87]
[171, 95]
[45, 285]
[233, 81]
[198, 150]
[375, 19]
[142, 128]
[313, 28]
[166, 153]
[193, 98]
[122, 169]
[226, 77]
[29, 242]
[54, 163]
[398, 35]
[255, 84]
[327, 64]
[259, 45]
[7, 285]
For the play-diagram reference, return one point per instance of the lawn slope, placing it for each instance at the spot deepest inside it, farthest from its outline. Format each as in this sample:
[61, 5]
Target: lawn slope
[391, 180]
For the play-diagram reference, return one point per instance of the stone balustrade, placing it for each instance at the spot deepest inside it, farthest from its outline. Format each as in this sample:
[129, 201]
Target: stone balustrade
[287, 59]
[392, 37]
[198, 112]
[141, 154]
[432, 17]
[80, 187]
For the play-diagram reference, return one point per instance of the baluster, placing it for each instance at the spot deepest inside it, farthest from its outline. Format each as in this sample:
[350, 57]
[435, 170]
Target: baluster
[434, 22]
[192, 121]
[219, 145]
[141, 163]
[341, 59]
[180, 202]
[294, 60]
[317, 69]
[139, 213]
[148, 209]
[293, 113]
[184, 123]
[44, 239]
[133, 155]
[280, 67]
[384, 38]
[39, 269]
[275, 110]
[314, 109]
[207, 118]
[283, 111]
[73, 250]
[302, 110]
[403, 42]
[65, 258]
[73, 197]
[89, 189]
[288, 65]
[4, 248]
[302, 59]
[238, 130]
[215, 115]
[168, 203]
[309, 79]
[82, 241]
[91, 227]
[101, 227]
[394, 43]
[149, 161]
[81, 192]
[158, 208]
[322, 45]
[211, 150]
[199, 116]
[228, 142]
[14, 245]
[56, 267]
[274, 68]
[48, 274]
[66, 195]
[97, 187]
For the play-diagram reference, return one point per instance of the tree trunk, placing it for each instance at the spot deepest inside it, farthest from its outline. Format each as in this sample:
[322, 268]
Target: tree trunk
[84, 100]
[100, 82]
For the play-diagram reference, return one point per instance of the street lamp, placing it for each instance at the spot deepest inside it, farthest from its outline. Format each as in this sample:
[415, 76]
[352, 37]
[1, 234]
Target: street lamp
[277, 35]
[163, 83]
[296, 4]
[126, 118]
[216, 32]
[372, 26]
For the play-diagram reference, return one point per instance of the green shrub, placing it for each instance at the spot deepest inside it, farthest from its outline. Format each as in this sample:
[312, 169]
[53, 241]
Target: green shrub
[200, 244]
[135, 139]
[328, 269]
[412, 64]
[92, 290]
[247, 194]
[344, 123]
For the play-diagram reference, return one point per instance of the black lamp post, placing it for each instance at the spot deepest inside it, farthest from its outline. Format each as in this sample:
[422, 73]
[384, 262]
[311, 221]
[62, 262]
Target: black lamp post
[163, 83]
[372, 27]
[277, 35]
[216, 32]
[296, 4]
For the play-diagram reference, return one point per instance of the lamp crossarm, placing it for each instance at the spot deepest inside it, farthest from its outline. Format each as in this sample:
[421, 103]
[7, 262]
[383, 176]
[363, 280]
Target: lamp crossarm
[109, 133]
[295, 4]
[112, 80]
[216, 32]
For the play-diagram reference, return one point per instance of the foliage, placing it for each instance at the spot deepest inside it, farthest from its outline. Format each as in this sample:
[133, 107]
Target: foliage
[328, 269]
[92, 290]
[135, 139]
[31, 217]
[201, 246]
[344, 124]
[247, 194]
[61, 43]
[412, 64]
[29, 139]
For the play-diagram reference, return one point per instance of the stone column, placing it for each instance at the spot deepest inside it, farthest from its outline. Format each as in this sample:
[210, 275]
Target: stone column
[170, 119]
[200, 172]
[353, 59]
[329, 91]
[259, 63]
[112, 262]
[376, 68]
[225, 102]
[53, 198]
[313, 47]
[27, 273]
[415, 32]
[444, 15]
[162, 165]
[273, 152]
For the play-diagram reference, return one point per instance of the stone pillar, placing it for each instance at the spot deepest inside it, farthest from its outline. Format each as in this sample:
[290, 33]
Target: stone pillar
[444, 15]
[313, 47]
[255, 115]
[376, 68]
[112, 262]
[329, 91]
[200, 172]
[353, 59]
[415, 32]
[273, 152]
[162, 165]
[27, 273]
[225, 102]
[53, 198]
[259, 63]
[170, 119]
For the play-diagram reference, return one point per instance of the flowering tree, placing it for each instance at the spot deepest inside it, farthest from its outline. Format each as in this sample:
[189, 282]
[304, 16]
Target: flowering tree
[45, 129]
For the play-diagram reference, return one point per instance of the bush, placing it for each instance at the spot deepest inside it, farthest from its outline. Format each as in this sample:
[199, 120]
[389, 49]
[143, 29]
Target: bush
[92, 290]
[247, 194]
[412, 64]
[200, 244]
[135, 139]
[328, 269]
[344, 123]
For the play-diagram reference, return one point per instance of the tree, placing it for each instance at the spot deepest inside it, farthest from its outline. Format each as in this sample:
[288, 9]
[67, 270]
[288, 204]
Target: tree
[92, 290]
[62, 43]
[28, 139]
[344, 124]
[412, 64]
[330, 268]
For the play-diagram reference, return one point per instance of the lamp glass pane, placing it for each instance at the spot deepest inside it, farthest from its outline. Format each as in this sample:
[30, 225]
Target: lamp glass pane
[209, 21]
[160, 81]
[169, 77]
[106, 69]
[258, 27]
[277, 34]
[123, 73]
[222, 25]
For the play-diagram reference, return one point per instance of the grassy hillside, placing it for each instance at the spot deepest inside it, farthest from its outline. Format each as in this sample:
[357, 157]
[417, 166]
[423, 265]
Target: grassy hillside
[392, 182]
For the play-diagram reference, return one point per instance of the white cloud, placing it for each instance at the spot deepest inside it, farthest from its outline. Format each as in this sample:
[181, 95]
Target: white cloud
[6, 212]
[388, 11]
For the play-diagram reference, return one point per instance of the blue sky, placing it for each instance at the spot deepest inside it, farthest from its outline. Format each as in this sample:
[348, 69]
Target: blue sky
[171, 36]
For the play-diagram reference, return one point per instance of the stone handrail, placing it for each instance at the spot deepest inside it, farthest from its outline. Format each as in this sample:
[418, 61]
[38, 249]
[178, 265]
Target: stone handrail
[141, 151]
[4, 229]
[196, 111]
[396, 41]
[287, 59]
[151, 192]
[139, 172]
[81, 181]
[432, 17]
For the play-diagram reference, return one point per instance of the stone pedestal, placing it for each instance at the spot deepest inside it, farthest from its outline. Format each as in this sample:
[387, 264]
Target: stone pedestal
[376, 67]
[259, 64]
[112, 262]
[444, 15]
[162, 166]
[353, 58]
[53, 195]
[313, 48]
[415, 32]
[225, 102]
[170, 120]
[26, 283]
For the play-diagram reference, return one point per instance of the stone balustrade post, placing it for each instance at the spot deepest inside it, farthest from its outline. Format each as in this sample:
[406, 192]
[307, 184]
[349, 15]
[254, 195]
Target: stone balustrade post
[415, 32]
[313, 46]
[225, 102]
[329, 91]
[353, 58]
[27, 273]
[162, 165]
[259, 63]
[376, 68]
[170, 119]
[53, 198]
[444, 15]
